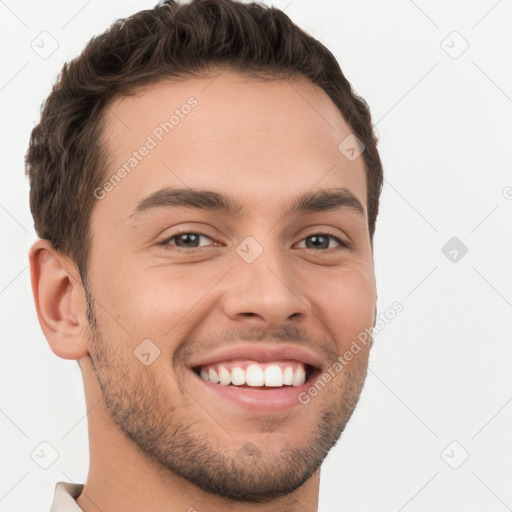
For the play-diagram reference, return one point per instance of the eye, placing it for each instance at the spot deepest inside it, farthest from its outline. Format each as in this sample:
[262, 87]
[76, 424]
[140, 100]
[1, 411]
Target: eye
[191, 240]
[321, 241]
[185, 240]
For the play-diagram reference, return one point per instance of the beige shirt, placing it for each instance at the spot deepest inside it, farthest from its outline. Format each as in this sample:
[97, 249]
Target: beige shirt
[64, 499]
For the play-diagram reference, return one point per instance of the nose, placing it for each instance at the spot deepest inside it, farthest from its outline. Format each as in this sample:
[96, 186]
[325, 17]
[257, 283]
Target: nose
[265, 293]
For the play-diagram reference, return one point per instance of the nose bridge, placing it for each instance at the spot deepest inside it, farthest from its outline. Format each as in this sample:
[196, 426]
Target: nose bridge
[262, 285]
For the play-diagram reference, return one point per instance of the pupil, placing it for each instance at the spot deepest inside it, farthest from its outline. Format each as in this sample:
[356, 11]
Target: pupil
[316, 238]
[188, 236]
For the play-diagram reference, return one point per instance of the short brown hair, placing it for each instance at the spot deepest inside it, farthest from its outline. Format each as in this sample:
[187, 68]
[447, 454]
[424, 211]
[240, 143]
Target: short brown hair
[66, 161]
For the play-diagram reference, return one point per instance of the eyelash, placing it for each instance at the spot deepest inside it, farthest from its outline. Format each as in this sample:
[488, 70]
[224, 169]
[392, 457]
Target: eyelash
[165, 243]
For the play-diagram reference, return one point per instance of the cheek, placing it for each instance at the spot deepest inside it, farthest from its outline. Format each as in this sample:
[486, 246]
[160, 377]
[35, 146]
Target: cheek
[155, 301]
[345, 303]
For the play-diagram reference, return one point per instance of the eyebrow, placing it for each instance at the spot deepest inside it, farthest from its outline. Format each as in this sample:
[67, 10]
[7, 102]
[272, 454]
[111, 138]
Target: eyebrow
[310, 202]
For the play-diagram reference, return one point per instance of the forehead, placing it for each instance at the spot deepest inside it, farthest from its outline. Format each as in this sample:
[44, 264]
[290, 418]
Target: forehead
[262, 140]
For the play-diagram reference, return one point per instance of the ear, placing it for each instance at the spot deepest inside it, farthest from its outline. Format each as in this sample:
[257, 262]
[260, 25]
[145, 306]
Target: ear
[59, 299]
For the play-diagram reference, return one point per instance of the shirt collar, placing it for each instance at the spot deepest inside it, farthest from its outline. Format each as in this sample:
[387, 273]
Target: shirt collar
[64, 499]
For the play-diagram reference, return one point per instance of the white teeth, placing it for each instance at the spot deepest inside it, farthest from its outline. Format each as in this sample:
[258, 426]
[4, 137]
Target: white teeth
[273, 376]
[212, 375]
[299, 377]
[224, 376]
[288, 376]
[237, 376]
[254, 375]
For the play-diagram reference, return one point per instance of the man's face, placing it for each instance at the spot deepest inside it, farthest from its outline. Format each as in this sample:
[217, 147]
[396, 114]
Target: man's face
[261, 279]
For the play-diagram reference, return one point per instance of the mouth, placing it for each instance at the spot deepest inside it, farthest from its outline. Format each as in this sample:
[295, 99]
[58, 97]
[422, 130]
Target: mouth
[260, 378]
[258, 375]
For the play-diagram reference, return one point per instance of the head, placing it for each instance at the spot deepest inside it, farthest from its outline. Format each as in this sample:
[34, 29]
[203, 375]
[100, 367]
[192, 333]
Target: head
[194, 189]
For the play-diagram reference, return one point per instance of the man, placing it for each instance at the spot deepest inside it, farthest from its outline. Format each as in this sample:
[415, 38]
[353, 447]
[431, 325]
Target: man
[205, 185]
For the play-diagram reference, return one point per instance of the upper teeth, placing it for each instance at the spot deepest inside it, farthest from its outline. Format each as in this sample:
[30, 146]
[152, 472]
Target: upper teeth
[271, 375]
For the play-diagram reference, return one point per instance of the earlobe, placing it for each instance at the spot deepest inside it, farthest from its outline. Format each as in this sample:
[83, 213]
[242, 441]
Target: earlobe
[59, 299]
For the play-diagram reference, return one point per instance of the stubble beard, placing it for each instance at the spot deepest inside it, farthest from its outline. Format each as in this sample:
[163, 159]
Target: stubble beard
[143, 411]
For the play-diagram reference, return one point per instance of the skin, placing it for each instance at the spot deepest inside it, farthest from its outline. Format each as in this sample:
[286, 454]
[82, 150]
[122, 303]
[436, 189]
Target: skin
[155, 442]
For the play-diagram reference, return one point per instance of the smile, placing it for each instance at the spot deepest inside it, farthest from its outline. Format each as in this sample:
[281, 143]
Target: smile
[247, 373]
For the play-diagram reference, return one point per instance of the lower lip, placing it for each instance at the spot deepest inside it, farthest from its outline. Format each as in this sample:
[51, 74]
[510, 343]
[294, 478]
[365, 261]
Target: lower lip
[260, 400]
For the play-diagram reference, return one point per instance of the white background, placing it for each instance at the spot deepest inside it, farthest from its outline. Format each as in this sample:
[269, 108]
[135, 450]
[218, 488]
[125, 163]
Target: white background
[440, 371]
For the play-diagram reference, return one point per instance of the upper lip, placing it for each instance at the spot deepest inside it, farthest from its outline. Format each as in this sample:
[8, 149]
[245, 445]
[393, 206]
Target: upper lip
[261, 353]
